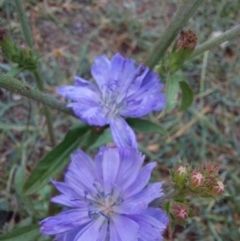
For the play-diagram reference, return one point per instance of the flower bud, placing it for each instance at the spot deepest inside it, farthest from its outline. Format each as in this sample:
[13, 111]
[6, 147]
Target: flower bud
[210, 169]
[218, 188]
[186, 40]
[183, 48]
[196, 179]
[179, 176]
[181, 171]
[24, 57]
[180, 211]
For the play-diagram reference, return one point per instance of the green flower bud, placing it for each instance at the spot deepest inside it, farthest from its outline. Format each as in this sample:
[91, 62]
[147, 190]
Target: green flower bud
[183, 48]
[179, 176]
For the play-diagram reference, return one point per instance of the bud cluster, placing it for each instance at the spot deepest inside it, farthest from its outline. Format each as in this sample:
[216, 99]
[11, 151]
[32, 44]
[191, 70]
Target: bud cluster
[203, 182]
[24, 57]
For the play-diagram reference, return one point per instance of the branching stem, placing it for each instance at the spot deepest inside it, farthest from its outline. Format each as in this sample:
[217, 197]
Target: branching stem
[178, 21]
[40, 84]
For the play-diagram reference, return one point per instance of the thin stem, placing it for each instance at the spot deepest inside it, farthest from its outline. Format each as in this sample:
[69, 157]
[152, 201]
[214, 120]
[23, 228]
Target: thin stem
[178, 22]
[46, 110]
[40, 84]
[48, 116]
[202, 84]
[16, 86]
[24, 23]
[230, 34]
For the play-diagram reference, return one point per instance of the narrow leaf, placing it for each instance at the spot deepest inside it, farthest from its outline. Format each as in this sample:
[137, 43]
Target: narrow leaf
[146, 126]
[187, 95]
[19, 180]
[104, 138]
[55, 160]
[172, 88]
[13, 72]
[28, 233]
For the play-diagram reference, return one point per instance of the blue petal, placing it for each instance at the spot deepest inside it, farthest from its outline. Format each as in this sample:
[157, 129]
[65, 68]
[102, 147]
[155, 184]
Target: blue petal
[131, 207]
[91, 231]
[146, 82]
[100, 70]
[144, 95]
[79, 94]
[122, 71]
[131, 161]
[140, 181]
[80, 82]
[142, 106]
[126, 229]
[158, 214]
[122, 133]
[64, 221]
[64, 188]
[110, 167]
[80, 174]
[150, 228]
[91, 114]
[113, 233]
[69, 201]
[103, 233]
[69, 235]
[147, 195]
[69, 197]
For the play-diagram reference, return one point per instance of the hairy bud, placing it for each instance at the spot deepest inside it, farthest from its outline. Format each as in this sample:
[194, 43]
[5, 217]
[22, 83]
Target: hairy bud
[218, 188]
[196, 179]
[180, 211]
[179, 176]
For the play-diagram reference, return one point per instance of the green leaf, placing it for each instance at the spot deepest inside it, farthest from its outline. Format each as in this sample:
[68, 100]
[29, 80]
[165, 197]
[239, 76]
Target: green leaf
[19, 180]
[172, 88]
[103, 138]
[13, 72]
[28, 233]
[1, 2]
[89, 138]
[56, 159]
[145, 126]
[187, 95]
[176, 59]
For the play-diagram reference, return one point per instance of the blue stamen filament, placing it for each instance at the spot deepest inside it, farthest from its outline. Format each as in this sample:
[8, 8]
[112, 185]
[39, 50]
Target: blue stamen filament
[100, 203]
[110, 101]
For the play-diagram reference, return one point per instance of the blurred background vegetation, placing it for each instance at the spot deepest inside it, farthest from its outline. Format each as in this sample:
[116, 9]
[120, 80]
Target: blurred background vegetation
[69, 34]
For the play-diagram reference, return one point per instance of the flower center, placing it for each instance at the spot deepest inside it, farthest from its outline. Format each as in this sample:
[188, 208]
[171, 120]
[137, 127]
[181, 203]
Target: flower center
[101, 203]
[112, 102]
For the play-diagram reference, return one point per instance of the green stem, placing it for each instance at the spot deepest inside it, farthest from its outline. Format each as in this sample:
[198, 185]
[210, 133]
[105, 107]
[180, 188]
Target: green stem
[40, 84]
[24, 23]
[46, 110]
[16, 86]
[230, 34]
[179, 20]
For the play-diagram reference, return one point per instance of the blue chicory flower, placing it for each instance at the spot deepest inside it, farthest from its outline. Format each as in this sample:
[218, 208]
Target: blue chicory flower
[123, 90]
[107, 199]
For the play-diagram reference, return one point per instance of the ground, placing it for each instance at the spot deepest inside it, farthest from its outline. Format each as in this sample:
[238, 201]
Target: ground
[69, 34]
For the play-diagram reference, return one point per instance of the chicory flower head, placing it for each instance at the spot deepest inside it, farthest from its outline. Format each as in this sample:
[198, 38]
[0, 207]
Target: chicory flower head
[123, 90]
[107, 199]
